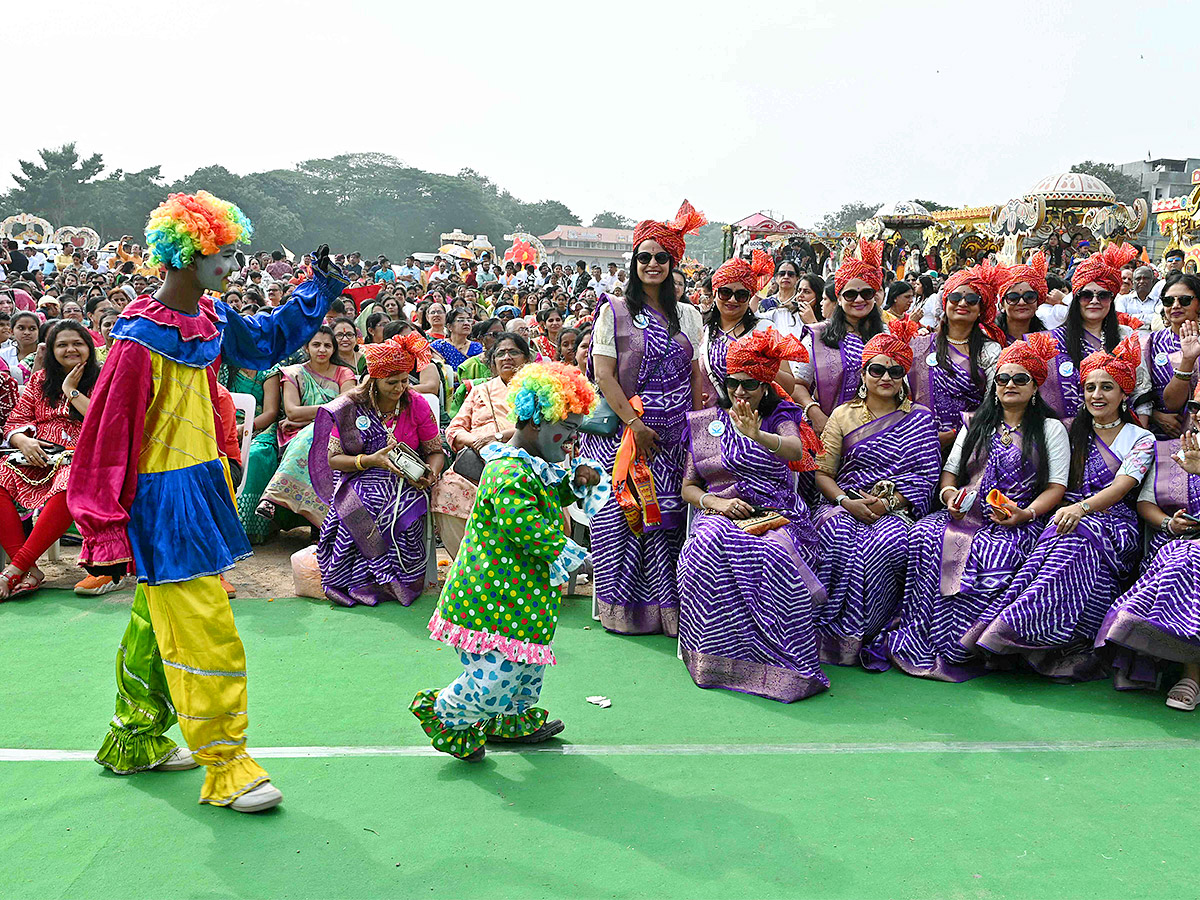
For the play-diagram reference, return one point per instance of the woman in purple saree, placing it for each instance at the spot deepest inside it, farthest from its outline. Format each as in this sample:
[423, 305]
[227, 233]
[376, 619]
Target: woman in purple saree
[1054, 607]
[1156, 623]
[963, 558]
[877, 475]
[1170, 355]
[643, 351]
[372, 544]
[835, 347]
[747, 599]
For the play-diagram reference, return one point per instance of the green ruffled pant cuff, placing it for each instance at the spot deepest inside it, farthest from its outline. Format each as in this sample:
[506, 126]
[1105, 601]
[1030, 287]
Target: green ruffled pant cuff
[460, 744]
[227, 780]
[125, 753]
[516, 726]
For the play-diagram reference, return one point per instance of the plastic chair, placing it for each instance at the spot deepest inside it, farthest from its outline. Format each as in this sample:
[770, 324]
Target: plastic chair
[431, 566]
[435, 404]
[581, 534]
[245, 404]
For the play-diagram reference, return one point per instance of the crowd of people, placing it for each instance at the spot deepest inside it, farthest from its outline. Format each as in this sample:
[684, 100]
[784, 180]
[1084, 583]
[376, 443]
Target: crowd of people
[812, 462]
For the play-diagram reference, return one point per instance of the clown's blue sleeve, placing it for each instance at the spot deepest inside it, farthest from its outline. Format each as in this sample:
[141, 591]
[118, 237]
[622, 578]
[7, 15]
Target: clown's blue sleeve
[260, 341]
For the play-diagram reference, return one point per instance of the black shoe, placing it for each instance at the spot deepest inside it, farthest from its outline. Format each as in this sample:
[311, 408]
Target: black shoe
[476, 756]
[547, 731]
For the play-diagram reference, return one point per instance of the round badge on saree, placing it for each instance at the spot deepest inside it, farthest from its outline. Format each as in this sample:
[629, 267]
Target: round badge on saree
[641, 321]
[717, 428]
[362, 423]
[1161, 359]
[1066, 368]
[931, 359]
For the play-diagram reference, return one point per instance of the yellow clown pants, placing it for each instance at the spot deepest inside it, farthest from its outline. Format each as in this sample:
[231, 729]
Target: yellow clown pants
[181, 658]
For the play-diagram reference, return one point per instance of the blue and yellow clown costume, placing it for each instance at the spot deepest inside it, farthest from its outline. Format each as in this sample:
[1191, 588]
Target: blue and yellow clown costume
[149, 487]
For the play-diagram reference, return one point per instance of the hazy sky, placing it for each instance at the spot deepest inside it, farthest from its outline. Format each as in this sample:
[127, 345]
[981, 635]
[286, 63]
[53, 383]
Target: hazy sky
[791, 106]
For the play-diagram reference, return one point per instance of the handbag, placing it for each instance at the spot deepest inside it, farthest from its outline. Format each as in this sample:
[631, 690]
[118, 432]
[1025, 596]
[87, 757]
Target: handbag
[603, 421]
[762, 521]
[469, 464]
[405, 459]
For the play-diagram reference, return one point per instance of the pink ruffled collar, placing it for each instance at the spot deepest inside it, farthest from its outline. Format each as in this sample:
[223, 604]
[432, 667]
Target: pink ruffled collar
[200, 327]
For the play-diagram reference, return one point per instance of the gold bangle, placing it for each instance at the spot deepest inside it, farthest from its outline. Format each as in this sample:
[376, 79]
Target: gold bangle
[358, 462]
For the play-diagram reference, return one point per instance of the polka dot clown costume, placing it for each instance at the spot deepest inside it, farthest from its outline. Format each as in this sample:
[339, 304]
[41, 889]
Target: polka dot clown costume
[500, 603]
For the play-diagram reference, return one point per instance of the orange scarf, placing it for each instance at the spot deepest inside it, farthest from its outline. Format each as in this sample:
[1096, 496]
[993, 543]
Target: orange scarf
[640, 509]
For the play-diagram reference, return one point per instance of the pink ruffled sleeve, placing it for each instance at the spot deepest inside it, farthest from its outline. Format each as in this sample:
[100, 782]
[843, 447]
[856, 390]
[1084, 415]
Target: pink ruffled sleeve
[104, 470]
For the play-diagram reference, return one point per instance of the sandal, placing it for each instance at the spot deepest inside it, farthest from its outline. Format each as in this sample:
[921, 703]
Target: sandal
[1184, 695]
[26, 585]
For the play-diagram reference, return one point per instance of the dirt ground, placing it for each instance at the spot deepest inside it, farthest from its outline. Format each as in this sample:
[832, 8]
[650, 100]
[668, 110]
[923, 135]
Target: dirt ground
[268, 573]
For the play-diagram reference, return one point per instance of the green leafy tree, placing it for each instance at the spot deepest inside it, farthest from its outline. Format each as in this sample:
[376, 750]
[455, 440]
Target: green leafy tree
[932, 205]
[1125, 187]
[58, 187]
[849, 215]
[610, 219]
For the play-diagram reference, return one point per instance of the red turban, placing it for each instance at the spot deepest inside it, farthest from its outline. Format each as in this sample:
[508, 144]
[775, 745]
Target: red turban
[1121, 364]
[894, 343]
[398, 356]
[986, 279]
[1034, 273]
[1104, 268]
[759, 354]
[752, 274]
[670, 234]
[868, 266]
[1033, 355]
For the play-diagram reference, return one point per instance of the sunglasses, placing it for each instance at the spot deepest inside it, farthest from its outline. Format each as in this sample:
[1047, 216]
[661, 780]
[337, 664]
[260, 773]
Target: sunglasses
[1013, 298]
[878, 370]
[661, 257]
[742, 296]
[749, 385]
[1184, 301]
[1102, 296]
[1020, 379]
[959, 297]
[865, 293]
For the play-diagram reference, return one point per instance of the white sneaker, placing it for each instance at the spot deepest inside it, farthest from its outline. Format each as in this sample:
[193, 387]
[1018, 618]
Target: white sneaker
[180, 760]
[265, 796]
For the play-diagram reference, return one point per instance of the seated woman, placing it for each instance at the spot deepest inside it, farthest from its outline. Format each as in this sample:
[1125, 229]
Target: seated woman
[1091, 325]
[877, 475]
[49, 412]
[1170, 354]
[372, 544]
[1156, 623]
[1020, 296]
[1058, 599]
[458, 347]
[747, 597]
[485, 417]
[952, 367]
[306, 387]
[260, 463]
[962, 559]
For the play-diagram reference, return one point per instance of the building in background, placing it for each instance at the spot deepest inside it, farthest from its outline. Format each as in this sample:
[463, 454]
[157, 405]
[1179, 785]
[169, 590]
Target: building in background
[1161, 179]
[568, 244]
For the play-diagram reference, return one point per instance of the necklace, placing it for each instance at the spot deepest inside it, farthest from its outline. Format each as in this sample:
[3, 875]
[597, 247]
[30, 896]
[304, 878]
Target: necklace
[730, 329]
[1115, 423]
[1007, 437]
[951, 340]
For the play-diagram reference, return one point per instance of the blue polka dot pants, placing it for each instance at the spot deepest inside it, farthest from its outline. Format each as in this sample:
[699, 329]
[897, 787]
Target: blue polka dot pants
[489, 686]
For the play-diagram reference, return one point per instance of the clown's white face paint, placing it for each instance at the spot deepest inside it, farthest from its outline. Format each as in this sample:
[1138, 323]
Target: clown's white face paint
[213, 271]
[552, 435]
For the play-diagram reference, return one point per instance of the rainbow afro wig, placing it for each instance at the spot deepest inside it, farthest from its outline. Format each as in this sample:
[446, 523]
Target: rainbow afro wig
[549, 392]
[187, 225]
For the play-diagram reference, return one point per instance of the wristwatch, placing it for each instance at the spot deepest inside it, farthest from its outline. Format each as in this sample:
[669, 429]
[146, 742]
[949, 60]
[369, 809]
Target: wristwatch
[1085, 506]
[72, 395]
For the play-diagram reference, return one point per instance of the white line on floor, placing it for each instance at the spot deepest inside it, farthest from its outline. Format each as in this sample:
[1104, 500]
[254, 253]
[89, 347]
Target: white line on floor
[38, 755]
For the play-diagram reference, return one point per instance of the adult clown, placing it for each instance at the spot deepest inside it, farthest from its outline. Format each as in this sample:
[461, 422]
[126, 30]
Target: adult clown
[148, 487]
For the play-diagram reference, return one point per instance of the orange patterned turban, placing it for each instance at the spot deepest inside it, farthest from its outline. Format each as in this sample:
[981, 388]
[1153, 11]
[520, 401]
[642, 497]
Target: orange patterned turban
[752, 274]
[1034, 273]
[894, 343]
[1104, 268]
[670, 234]
[868, 266]
[1121, 364]
[1033, 354]
[398, 356]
